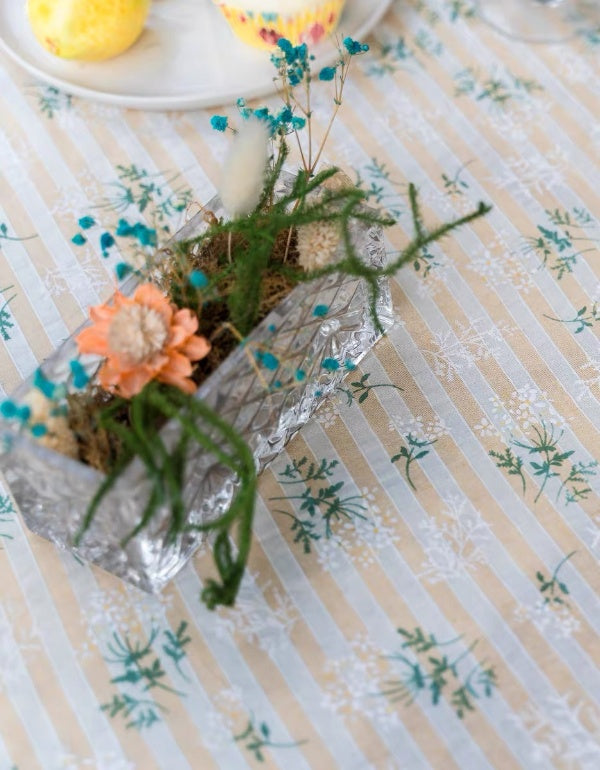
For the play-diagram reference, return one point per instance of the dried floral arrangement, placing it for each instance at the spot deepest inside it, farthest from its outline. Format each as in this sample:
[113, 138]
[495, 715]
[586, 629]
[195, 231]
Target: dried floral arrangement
[142, 357]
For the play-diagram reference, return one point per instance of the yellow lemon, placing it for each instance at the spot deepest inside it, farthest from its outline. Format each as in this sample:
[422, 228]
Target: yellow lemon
[87, 29]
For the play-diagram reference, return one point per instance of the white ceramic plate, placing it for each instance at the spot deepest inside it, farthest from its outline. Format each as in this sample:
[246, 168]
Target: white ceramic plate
[187, 57]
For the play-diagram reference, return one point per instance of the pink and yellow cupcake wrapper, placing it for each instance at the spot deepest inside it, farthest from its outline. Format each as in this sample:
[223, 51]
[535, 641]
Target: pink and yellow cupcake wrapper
[263, 30]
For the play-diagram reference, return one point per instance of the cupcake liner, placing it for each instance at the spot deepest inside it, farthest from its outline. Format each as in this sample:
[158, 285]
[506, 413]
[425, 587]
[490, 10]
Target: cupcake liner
[263, 29]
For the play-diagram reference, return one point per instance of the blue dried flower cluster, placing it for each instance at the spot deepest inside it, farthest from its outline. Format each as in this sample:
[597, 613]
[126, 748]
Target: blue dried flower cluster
[293, 59]
[218, 122]
[354, 47]
[293, 65]
[282, 122]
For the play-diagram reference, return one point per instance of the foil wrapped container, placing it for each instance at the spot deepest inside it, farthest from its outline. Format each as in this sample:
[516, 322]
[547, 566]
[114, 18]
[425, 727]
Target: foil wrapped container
[266, 407]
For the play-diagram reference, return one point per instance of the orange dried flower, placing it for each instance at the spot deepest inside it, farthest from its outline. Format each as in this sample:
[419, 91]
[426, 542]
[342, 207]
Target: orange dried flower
[143, 338]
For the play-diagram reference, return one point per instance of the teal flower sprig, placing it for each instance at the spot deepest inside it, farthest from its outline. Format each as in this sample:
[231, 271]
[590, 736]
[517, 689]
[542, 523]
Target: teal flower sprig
[431, 671]
[6, 320]
[415, 449]
[258, 229]
[553, 589]
[316, 498]
[360, 389]
[7, 510]
[146, 204]
[142, 671]
[547, 462]
[257, 738]
[585, 318]
[557, 241]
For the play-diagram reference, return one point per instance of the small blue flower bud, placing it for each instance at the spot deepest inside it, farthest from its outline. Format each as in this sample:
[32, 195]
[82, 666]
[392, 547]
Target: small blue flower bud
[198, 279]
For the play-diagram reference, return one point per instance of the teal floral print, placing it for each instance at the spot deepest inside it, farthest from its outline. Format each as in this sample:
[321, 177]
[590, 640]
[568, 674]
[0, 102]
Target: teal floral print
[6, 321]
[419, 436]
[552, 589]
[548, 463]
[51, 100]
[319, 500]
[460, 9]
[428, 43]
[142, 670]
[400, 54]
[6, 515]
[391, 57]
[4, 235]
[360, 389]
[493, 88]
[381, 188]
[455, 185]
[429, 670]
[585, 318]
[256, 739]
[556, 243]
[139, 188]
[415, 449]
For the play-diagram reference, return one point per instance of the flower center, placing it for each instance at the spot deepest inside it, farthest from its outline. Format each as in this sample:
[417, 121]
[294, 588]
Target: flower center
[137, 333]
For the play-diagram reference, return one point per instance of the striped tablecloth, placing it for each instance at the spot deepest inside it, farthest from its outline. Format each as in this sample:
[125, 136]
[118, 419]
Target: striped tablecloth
[427, 596]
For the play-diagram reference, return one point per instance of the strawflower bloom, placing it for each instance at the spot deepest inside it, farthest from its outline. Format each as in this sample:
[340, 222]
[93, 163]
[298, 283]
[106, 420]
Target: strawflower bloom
[143, 338]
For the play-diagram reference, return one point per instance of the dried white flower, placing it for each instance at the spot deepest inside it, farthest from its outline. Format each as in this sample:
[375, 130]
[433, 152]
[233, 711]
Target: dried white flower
[317, 244]
[59, 436]
[244, 169]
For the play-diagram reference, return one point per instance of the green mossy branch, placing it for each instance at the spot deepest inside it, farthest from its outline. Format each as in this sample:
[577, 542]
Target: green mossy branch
[256, 234]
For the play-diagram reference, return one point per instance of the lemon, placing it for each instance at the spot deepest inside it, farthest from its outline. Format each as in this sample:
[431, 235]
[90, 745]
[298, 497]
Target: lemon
[87, 29]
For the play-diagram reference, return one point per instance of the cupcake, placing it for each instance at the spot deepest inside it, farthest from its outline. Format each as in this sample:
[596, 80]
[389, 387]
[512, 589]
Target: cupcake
[262, 23]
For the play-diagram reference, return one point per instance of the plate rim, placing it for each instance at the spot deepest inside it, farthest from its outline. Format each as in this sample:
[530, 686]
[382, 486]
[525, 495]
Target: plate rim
[180, 102]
